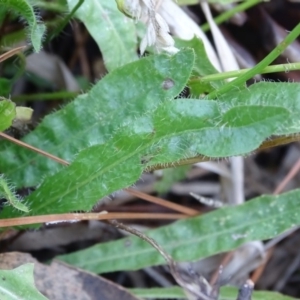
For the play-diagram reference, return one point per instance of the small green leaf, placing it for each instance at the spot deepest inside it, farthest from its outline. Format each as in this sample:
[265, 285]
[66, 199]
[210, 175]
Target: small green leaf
[113, 32]
[227, 293]
[202, 67]
[19, 284]
[7, 113]
[124, 94]
[191, 239]
[8, 193]
[25, 9]
[286, 95]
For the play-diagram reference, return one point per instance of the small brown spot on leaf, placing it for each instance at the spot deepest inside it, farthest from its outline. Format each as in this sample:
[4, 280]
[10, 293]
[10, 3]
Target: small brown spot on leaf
[168, 83]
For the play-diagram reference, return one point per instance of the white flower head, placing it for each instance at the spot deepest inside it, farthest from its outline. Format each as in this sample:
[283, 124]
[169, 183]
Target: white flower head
[157, 33]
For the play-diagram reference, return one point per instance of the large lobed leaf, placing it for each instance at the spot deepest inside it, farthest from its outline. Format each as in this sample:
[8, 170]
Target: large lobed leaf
[191, 239]
[114, 33]
[129, 130]
[175, 130]
[91, 119]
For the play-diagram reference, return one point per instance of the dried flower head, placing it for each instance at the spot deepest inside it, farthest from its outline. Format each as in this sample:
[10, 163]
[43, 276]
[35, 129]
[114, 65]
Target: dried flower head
[157, 34]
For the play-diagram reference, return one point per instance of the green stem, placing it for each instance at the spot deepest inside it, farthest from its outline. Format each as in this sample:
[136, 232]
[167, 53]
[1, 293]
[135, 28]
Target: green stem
[239, 81]
[46, 96]
[228, 14]
[233, 74]
[21, 61]
[52, 6]
[65, 21]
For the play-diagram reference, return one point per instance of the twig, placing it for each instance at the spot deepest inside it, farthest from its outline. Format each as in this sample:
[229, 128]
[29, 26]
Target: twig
[224, 262]
[32, 148]
[11, 53]
[245, 292]
[164, 203]
[258, 272]
[196, 287]
[57, 218]
[295, 169]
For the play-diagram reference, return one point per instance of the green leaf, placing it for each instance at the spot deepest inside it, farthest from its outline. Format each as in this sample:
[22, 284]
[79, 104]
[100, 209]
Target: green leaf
[177, 129]
[13, 38]
[7, 192]
[230, 293]
[25, 9]
[227, 293]
[285, 95]
[19, 284]
[202, 67]
[7, 114]
[91, 119]
[113, 32]
[159, 293]
[191, 239]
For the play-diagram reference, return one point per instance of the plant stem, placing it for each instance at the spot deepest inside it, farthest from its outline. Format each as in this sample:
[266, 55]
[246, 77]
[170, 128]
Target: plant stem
[51, 6]
[239, 81]
[273, 142]
[231, 74]
[228, 14]
[45, 96]
[64, 22]
[87, 216]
